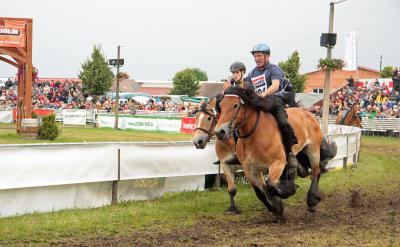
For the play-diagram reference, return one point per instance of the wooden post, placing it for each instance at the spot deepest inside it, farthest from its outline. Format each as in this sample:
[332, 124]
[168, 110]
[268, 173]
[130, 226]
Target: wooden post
[114, 196]
[28, 71]
[22, 54]
[347, 152]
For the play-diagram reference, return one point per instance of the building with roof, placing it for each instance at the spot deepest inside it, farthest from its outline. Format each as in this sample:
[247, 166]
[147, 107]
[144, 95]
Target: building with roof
[315, 79]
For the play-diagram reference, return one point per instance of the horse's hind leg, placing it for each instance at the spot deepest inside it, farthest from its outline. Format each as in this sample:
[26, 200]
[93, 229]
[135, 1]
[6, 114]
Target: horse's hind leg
[230, 179]
[274, 204]
[313, 195]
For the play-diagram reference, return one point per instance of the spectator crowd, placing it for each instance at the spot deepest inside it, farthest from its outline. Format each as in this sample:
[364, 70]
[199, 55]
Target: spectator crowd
[68, 94]
[376, 99]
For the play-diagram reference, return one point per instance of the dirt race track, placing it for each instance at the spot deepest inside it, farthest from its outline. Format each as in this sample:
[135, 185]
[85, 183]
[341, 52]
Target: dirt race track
[351, 219]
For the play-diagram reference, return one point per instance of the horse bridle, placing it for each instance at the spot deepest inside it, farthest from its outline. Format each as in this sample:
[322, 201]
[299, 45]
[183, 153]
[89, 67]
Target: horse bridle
[213, 116]
[246, 118]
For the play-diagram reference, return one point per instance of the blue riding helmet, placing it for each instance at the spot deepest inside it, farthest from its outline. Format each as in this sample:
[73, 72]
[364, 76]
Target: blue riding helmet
[262, 47]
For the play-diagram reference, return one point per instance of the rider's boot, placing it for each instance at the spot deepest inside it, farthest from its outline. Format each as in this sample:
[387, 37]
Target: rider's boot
[289, 139]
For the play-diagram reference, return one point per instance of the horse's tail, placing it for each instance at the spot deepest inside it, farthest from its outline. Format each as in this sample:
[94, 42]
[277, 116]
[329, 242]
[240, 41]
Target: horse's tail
[328, 150]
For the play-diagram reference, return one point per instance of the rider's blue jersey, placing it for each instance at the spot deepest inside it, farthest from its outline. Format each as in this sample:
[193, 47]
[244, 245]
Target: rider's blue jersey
[261, 79]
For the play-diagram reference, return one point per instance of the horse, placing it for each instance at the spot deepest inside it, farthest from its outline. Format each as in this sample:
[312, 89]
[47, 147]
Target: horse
[349, 117]
[260, 148]
[206, 119]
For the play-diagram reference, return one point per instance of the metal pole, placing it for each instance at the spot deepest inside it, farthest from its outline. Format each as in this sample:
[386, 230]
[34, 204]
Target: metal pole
[380, 65]
[117, 91]
[328, 75]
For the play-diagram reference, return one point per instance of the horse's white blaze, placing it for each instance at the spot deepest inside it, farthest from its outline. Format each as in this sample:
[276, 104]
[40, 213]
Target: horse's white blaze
[202, 115]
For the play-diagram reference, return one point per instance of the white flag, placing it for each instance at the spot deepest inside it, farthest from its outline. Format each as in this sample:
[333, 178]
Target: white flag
[351, 51]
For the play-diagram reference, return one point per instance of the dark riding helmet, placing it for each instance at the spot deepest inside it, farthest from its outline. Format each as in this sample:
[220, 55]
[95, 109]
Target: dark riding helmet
[238, 66]
[264, 48]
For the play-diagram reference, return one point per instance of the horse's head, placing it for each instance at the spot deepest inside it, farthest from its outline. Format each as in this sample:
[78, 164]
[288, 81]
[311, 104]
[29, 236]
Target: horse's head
[355, 109]
[205, 121]
[233, 112]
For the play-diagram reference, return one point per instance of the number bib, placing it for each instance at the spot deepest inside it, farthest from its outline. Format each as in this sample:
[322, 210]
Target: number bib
[260, 84]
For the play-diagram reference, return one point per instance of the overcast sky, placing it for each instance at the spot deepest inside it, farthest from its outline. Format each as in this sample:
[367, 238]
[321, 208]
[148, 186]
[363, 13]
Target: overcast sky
[165, 36]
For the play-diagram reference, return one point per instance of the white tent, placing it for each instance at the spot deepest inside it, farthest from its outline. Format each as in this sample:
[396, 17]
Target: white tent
[141, 99]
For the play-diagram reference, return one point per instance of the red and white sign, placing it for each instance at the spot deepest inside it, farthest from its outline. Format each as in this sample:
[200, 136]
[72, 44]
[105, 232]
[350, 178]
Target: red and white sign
[188, 125]
[12, 33]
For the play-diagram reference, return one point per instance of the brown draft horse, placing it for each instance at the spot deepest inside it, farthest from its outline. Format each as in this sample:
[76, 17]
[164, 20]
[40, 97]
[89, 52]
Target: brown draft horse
[349, 118]
[260, 148]
[206, 120]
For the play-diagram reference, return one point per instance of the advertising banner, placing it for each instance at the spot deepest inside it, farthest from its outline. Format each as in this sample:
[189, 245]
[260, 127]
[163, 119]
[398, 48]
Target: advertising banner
[12, 33]
[151, 123]
[188, 125]
[6, 116]
[74, 117]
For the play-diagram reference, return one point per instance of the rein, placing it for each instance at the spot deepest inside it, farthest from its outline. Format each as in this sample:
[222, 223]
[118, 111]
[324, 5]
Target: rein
[240, 125]
[251, 131]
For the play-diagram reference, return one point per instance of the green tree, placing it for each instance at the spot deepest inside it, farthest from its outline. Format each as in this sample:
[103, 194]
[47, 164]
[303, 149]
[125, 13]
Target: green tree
[49, 129]
[291, 68]
[387, 72]
[186, 82]
[95, 74]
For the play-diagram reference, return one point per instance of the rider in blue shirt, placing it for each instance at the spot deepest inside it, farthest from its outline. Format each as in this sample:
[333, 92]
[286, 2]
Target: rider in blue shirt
[268, 80]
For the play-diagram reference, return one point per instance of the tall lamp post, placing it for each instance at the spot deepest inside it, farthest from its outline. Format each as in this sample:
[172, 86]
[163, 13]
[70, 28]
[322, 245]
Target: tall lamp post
[116, 63]
[328, 40]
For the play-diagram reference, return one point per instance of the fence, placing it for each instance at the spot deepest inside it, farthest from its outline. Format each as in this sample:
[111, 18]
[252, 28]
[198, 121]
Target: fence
[51, 177]
[375, 127]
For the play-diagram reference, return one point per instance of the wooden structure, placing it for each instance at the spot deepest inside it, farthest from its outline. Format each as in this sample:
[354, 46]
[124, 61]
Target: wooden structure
[16, 50]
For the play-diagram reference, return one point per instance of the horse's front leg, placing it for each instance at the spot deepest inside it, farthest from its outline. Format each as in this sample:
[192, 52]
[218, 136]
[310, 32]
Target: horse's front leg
[256, 179]
[229, 172]
[283, 188]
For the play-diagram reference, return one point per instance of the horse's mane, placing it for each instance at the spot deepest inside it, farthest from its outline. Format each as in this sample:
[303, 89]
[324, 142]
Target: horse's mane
[251, 98]
[218, 98]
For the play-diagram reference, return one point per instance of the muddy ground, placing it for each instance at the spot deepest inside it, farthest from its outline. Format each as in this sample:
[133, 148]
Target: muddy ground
[343, 219]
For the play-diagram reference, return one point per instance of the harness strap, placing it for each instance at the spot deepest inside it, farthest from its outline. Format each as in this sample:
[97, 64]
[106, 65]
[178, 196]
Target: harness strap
[251, 131]
[207, 131]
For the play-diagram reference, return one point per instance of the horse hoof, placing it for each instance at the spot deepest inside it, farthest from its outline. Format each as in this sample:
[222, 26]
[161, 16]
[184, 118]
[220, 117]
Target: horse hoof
[287, 188]
[302, 172]
[312, 209]
[279, 210]
[277, 206]
[232, 211]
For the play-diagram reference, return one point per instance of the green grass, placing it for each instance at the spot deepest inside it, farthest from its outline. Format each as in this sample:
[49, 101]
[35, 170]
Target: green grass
[8, 135]
[374, 173]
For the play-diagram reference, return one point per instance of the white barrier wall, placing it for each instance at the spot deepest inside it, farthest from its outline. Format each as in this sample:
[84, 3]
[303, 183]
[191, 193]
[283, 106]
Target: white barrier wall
[51, 177]
[348, 142]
